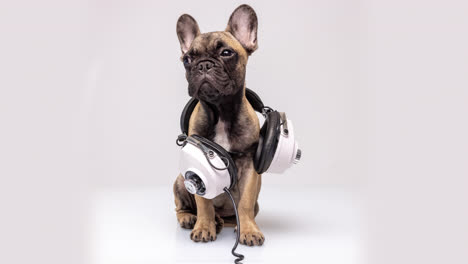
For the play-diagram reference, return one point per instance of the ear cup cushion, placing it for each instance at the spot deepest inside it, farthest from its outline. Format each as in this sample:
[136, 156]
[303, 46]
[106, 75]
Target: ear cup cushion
[258, 153]
[268, 142]
[186, 113]
[220, 151]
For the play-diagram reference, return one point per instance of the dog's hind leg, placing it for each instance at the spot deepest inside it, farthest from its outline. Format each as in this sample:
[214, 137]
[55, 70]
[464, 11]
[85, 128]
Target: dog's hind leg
[186, 208]
[219, 223]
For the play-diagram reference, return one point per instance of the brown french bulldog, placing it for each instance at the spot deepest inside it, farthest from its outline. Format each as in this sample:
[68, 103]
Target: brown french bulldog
[215, 66]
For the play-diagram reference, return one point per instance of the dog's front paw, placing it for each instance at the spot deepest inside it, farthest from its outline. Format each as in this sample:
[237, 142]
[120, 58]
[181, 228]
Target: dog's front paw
[251, 235]
[204, 230]
[186, 220]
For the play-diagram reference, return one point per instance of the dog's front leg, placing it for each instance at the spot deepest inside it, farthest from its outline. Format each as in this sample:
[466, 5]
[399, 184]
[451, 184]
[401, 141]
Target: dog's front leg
[205, 227]
[249, 187]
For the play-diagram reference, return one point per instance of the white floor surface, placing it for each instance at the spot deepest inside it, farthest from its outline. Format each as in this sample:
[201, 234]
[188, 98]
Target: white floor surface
[300, 226]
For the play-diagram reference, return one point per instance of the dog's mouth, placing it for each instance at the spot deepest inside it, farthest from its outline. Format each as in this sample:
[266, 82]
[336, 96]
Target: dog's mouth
[210, 87]
[205, 85]
[207, 92]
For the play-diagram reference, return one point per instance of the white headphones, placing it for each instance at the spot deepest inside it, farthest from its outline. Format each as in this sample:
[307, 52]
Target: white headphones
[208, 168]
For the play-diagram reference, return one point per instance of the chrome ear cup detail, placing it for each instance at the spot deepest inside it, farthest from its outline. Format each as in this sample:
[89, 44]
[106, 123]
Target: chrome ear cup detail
[194, 184]
[191, 187]
[298, 156]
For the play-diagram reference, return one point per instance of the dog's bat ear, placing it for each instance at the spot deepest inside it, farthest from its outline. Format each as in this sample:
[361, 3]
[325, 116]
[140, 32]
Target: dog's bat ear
[243, 26]
[187, 31]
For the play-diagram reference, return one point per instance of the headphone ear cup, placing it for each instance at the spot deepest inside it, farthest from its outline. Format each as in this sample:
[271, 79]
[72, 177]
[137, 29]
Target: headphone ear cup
[231, 166]
[268, 142]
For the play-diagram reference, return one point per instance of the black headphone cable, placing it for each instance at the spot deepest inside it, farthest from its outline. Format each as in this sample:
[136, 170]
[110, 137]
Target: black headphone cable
[239, 257]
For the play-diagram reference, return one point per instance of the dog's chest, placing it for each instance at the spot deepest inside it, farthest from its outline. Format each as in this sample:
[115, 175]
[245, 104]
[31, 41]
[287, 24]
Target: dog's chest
[221, 135]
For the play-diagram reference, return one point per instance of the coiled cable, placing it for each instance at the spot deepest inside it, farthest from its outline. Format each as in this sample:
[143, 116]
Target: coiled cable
[239, 257]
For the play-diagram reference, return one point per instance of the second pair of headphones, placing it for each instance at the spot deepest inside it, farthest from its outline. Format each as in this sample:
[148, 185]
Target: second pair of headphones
[208, 168]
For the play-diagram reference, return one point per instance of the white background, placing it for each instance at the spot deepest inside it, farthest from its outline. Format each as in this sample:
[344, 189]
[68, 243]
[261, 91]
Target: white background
[91, 93]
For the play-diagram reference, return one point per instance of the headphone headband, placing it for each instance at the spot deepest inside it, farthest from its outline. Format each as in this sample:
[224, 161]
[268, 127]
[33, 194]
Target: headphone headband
[251, 96]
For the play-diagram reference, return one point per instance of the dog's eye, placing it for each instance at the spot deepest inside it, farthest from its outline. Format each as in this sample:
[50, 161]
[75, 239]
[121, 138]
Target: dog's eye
[227, 53]
[187, 60]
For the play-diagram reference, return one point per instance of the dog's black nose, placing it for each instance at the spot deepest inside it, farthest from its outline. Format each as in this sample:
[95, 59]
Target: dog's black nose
[205, 66]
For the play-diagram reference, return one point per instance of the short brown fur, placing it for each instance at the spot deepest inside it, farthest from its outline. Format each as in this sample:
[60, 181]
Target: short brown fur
[231, 108]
